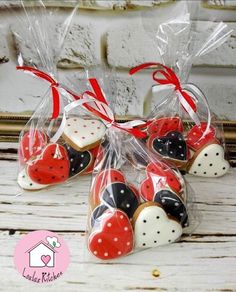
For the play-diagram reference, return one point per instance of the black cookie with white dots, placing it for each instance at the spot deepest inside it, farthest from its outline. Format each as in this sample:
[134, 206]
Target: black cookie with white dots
[96, 214]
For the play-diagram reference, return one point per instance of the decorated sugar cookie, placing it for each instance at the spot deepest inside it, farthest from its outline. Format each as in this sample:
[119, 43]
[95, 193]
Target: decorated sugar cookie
[83, 134]
[52, 166]
[162, 126]
[210, 162]
[152, 226]
[120, 196]
[113, 238]
[95, 217]
[26, 183]
[32, 144]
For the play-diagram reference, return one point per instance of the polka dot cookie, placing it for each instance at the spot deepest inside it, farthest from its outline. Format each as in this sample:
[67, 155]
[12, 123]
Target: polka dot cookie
[152, 226]
[26, 183]
[83, 134]
[113, 238]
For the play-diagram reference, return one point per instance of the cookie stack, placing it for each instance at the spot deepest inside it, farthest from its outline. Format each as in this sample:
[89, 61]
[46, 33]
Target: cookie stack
[198, 151]
[44, 163]
[124, 216]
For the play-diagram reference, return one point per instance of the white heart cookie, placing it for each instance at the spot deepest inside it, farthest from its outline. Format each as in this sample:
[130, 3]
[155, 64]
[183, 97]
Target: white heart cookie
[81, 134]
[210, 162]
[153, 228]
[25, 182]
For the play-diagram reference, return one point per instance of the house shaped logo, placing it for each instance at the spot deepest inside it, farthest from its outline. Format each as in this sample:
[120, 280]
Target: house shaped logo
[41, 255]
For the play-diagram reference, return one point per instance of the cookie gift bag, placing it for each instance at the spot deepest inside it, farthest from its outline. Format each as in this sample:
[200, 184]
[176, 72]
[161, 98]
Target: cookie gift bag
[136, 199]
[183, 129]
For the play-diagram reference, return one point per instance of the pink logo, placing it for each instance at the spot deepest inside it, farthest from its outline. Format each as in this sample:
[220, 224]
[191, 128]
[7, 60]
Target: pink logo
[41, 256]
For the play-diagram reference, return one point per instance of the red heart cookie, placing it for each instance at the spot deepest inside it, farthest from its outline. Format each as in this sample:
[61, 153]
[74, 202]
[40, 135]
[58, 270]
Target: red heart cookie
[162, 126]
[52, 166]
[114, 237]
[31, 144]
[197, 138]
[165, 176]
[103, 179]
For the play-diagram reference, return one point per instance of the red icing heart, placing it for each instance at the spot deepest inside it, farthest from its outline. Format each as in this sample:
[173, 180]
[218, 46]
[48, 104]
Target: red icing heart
[196, 138]
[31, 144]
[114, 237]
[165, 176]
[162, 126]
[103, 179]
[147, 189]
[52, 166]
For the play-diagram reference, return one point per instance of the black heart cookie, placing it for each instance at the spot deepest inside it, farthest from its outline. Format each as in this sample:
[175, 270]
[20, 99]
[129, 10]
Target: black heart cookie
[172, 145]
[79, 161]
[96, 214]
[120, 196]
[173, 205]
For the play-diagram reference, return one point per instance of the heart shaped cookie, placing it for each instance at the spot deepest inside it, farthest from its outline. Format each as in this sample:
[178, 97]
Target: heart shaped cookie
[210, 162]
[162, 126]
[79, 161]
[51, 167]
[172, 146]
[26, 183]
[120, 196]
[83, 134]
[32, 143]
[114, 238]
[96, 214]
[152, 227]
[173, 205]
[103, 179]
[197, 137]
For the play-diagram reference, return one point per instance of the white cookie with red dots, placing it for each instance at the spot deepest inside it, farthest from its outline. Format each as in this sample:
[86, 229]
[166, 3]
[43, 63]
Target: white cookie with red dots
[152, 226]
[210, 162]
[26, 183]
[83, 134]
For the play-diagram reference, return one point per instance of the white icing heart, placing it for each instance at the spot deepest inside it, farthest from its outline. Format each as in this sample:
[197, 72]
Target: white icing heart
[210, 162]
[153, 228]
[26, 183]
[84, 132]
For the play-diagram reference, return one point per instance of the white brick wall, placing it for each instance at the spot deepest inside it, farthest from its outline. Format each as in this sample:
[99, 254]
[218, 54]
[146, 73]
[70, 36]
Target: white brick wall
[118, 39]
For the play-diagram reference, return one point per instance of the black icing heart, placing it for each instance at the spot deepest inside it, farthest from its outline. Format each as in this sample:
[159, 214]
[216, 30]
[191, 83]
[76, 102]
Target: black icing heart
[120, 196]
[79, 161]
[172, 145]
[96, 214]
[173, 205]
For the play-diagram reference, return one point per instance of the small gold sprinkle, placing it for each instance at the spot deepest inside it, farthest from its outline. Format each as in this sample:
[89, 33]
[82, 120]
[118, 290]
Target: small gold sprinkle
[156, 273]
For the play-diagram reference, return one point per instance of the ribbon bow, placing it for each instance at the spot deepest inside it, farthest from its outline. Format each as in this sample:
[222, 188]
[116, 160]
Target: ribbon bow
[170, 78]
[53, 85]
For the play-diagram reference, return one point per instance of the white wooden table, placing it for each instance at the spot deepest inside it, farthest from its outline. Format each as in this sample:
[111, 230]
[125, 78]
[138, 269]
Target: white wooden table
[205, 261]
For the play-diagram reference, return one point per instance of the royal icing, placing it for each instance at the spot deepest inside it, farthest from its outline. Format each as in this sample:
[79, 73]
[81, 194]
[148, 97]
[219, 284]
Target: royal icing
[153, 228]
[26, 183]
[163, 126]
[210, 162]
[83, 133]
[113, 238]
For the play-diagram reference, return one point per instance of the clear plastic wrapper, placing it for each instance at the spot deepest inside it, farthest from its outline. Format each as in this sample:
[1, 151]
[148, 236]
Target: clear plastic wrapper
[137, 200]
[184, 130]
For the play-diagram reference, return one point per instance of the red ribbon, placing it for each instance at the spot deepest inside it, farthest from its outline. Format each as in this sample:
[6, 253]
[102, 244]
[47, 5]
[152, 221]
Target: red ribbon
[53, 84]
[169, 78]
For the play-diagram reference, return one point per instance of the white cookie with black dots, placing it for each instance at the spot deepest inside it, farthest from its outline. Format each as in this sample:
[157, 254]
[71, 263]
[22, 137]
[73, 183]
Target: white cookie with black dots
[83, 134]
[25, 182]
[153, 227]
[210, 162]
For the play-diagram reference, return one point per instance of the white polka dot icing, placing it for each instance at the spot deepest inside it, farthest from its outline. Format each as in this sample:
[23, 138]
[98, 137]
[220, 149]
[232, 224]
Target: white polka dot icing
[82, 133]
[210, 162]
[25, 182]
[153, 228]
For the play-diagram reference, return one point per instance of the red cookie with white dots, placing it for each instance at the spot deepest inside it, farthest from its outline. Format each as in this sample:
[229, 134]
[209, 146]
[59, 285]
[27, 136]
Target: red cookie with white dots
[83, 134]
[199, 136]
[32, 143]
[103, 179]
[162, 126]
[113, 238]
[51, 166]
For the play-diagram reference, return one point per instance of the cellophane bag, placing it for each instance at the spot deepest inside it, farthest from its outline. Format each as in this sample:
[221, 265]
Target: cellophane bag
[184, 130]
[137, 200]
[56, 144]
